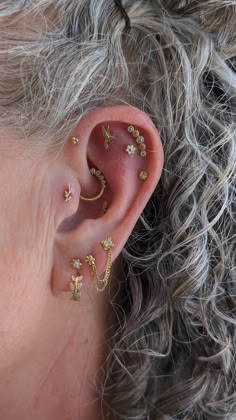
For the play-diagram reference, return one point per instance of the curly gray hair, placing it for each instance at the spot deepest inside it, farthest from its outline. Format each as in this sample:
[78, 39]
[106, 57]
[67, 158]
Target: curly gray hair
[172, 348]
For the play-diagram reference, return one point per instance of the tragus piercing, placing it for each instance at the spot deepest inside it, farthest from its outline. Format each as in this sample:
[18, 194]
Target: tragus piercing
[68, 193]
[100, 176]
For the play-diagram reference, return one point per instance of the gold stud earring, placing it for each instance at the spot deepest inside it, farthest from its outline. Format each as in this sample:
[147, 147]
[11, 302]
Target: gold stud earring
[68, 193]
[143, 175]
[100, 176]
[74, 140]
[105, 207]
[76, 286]
[131, 149]
[101, 284]
[107, 136]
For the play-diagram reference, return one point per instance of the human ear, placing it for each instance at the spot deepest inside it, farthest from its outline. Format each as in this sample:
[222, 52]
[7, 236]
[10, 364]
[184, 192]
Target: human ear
[111, 140]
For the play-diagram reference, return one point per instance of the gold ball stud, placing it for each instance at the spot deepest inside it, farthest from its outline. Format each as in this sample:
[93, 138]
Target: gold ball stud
[74, 140]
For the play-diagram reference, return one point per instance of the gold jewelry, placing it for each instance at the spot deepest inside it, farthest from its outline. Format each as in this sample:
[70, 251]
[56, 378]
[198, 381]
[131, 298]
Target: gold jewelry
[105, 207]
[76, 287]
[74, 140]
[100, 176]
[131, 149]
[143, 175]
[67, 193]
[139, 139]
[76, 264]
[101, 284]
[107, 136]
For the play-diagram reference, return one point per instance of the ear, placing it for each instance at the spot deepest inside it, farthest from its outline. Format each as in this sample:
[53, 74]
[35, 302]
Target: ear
[106, 143]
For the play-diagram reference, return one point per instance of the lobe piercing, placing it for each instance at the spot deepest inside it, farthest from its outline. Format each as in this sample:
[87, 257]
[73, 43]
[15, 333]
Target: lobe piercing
[107, 136]
[76, 264]
[107, 246]
[76, 287]
[67, 193]
[100, 176]
[74, 140]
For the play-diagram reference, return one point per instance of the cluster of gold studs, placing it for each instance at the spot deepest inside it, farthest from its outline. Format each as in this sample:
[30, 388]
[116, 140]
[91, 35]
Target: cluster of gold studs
[132, 149]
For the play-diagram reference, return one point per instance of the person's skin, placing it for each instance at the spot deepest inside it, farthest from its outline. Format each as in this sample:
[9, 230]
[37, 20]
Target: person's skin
[51, 345]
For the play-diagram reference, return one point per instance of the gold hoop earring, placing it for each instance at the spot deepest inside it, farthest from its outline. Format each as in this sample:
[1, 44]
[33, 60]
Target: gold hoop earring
[100, 176]
[107, 246]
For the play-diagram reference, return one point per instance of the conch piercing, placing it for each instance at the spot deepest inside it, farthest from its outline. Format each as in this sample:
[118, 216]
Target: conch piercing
[76, 286]
[107, 136]
[101, 284]
[100, 176]
[68, 193]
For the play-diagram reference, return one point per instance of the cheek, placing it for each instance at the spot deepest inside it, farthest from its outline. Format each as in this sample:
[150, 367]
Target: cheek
[25, 273]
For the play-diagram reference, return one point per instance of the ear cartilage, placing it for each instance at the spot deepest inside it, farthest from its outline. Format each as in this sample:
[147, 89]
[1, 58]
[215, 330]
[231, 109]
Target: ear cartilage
[99, 283]
[74, 140]
[107, 136]
[101, 178]
[68, 193]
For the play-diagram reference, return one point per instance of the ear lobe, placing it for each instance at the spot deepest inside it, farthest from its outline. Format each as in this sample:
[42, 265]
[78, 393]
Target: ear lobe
[113, 140]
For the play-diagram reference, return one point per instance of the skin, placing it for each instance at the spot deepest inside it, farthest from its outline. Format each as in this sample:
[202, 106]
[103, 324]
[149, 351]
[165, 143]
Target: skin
[51, 346]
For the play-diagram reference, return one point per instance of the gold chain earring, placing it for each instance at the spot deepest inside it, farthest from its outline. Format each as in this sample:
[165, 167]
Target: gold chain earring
[101, 284]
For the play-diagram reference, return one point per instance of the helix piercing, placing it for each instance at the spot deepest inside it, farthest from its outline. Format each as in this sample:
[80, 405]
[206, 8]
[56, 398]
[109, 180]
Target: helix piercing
[107, 136]
[101, 284]
[68, 193]
[139, 140]
[100, 176]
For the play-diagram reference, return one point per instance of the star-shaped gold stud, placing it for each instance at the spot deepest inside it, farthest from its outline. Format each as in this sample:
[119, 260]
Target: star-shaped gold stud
[107, 244]
[131, 149]
[76, 264]
[90, 260]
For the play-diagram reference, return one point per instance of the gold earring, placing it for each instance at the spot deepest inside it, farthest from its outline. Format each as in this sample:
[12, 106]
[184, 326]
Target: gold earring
[143, 175]
[75, 287]
[101, 284]
[74, 140]
[107, 136]
[139, 140]
[67, 193]
[100, 176]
